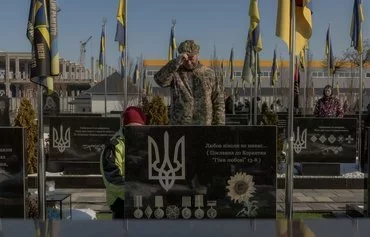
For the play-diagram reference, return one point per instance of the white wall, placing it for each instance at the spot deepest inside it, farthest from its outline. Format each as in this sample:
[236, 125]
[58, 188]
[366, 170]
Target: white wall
[114, 103]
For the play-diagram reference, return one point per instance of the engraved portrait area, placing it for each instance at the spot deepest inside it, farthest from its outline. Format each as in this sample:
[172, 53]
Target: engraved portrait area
[178, 172]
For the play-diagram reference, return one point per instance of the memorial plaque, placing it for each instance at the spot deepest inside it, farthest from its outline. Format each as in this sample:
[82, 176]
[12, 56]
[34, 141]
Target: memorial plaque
[51, 104]
[200, 172]
[80, 138]
[325, 140]
[4, 111]
[12, 172]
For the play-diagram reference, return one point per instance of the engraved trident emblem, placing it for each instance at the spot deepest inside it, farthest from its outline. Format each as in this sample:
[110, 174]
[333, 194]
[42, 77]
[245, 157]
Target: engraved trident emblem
[168, 171]
[300, 140]
[61, 141]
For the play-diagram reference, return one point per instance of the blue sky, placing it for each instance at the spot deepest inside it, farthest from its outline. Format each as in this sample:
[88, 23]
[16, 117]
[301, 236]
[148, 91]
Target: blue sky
[209, 22]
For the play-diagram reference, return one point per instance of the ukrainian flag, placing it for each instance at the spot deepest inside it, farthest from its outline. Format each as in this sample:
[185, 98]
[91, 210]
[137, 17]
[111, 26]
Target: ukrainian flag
[249, 61]
[329, 52]
[356, 26]
[136, 76]
[303, 16]
[102, 50]
[172, 46]
[274, 69]
[121, 24]
[54, 52]
[231, 65]
[39, 36]
[122, 64]
[254, 28]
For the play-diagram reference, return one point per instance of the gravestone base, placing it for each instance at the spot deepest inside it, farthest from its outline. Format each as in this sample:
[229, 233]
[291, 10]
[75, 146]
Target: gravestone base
[80, 168]
[320, 169]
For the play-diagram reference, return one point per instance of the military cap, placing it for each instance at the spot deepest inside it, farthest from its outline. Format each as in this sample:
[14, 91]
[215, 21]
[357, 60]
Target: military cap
[189, 46]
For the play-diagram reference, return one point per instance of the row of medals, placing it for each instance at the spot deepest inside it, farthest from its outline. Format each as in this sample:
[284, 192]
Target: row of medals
[172, 211]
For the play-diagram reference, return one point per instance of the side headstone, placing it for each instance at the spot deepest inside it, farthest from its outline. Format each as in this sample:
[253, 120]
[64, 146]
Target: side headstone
[13, 181]
[4, 111]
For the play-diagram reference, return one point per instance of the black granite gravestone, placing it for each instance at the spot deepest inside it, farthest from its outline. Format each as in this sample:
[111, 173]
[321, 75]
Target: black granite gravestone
[367, 180]
[4, 111]
[77, 142]
[183, 172]
[13, 181]
[325, 140]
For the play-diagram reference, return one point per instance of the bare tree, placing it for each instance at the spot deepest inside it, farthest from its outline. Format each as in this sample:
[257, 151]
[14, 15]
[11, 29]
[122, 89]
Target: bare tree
[339, 64]
[352, 56]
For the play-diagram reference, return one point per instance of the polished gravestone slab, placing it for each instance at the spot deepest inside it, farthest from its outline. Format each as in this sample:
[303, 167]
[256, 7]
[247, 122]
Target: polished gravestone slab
[13, 181]
[4, 111]
[77, 142]
[325, 140]
[183, 172]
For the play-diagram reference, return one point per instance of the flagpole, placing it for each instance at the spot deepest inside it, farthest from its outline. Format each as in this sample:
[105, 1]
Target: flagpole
[274, 97]
[329, 58]
[360, 108]
[255, 89]
[251, 103]
[290, 158]
[125, 100]
[233, 96]
[104, 69]
[41, 161]
[305, 60]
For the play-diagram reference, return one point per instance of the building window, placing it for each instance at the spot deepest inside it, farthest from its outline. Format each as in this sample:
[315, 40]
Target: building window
[314, 74]
[238, 74]
[368, 74]
[320, 74]
[149, 73]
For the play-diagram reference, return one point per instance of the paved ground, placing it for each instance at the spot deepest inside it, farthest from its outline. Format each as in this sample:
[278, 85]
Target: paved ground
[318, 200]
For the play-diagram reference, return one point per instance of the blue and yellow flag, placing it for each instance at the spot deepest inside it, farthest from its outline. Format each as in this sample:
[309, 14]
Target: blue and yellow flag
[121, 25]
[172, 54]
[329, 52]
[144, 78]
[303, 16]
[102, 50]
[356, 26]
[136, 76]
[122, 61]
[254, 28]
[231, 65]
[54, 52]
[249, 62]
[38, 33]
[274, 70]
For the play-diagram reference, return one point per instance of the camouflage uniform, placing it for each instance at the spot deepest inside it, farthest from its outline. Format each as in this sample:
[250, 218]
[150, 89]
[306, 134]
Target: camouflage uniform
[197, 96]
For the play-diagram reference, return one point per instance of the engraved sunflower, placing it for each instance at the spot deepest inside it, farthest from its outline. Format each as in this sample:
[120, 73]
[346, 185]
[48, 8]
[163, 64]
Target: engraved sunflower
[241, 187]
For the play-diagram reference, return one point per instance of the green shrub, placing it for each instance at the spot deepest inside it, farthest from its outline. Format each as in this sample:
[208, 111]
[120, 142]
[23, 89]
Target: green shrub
[26, 118]
[155, 110]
